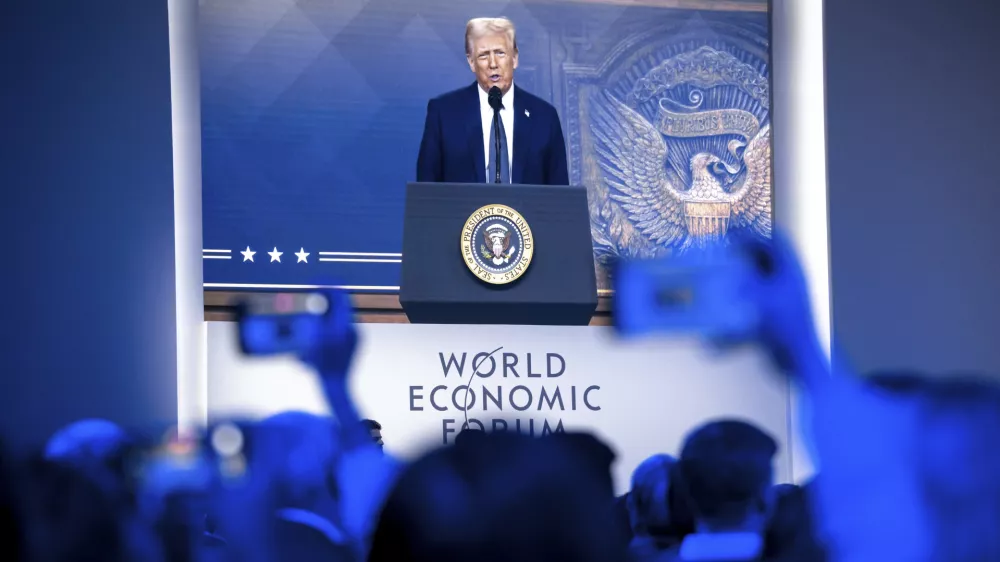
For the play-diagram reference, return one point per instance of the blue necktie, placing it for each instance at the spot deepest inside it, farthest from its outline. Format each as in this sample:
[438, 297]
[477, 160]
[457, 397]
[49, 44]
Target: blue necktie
[504, 158]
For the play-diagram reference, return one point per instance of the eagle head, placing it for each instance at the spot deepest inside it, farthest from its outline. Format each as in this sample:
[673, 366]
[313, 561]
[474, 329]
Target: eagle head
[708, 173]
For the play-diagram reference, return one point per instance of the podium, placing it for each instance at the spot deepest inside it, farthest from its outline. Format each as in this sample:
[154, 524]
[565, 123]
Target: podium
[438, 285]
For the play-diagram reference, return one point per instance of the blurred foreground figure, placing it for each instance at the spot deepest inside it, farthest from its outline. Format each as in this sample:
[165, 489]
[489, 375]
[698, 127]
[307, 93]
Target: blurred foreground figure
[503, 497]
[307, 524]
[69, 517]
[959, 465]
[91, 465]
[907, 464]
[11, 518]
[791, 536]
[724, 472]
[927, 473]
[648, 509]
[85, 440]
[95, 447]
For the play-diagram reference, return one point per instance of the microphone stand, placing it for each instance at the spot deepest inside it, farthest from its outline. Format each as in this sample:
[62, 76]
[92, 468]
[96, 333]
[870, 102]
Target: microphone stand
[496, 143]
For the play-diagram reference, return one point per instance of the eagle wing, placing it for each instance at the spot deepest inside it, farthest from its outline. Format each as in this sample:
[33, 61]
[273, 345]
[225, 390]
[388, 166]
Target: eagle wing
[633, 155]
[506, 242]
[487, 241]
[752, 201]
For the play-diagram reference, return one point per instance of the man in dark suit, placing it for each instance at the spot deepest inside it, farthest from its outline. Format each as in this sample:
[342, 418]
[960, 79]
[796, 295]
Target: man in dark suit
[459, 142]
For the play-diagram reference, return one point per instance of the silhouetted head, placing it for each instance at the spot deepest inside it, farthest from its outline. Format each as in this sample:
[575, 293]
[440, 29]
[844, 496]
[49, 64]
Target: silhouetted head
[468, 434]
[647, 501]
[305, 451]
[503, 496]
[98, 449]
[726, 470]
[375, 430]
[69, 516]
[791, 534]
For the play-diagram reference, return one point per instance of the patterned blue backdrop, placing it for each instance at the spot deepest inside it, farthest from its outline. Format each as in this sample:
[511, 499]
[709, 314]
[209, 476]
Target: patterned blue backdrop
[312, 113]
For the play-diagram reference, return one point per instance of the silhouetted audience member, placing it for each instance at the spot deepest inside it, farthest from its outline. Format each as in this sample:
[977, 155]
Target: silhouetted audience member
[98, 449]
[725, 472]
[503, 497]
[307, 524]
[469, 433]
[305, 537]
[649, 512]
[68, 517]
[375, 430]
[623, 521]
[11, 517]
[791, 535]
[910, 473]
[958, 464]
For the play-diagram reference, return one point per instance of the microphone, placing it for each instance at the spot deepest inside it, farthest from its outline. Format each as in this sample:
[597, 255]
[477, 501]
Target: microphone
[495, 98]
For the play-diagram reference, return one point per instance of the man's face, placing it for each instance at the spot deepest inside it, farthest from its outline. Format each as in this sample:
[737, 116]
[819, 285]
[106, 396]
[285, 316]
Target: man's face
[493, 59]
[377, 437]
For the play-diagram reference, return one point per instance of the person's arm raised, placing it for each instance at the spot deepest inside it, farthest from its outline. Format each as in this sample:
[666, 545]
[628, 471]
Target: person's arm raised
[786, 329]
[332, 355]
[364, 473]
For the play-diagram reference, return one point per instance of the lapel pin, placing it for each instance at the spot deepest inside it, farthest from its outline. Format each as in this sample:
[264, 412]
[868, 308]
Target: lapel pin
[527, 113]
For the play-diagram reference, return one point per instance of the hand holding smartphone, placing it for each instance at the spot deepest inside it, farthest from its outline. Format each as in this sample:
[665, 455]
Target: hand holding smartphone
[752, 290]
[709, 292]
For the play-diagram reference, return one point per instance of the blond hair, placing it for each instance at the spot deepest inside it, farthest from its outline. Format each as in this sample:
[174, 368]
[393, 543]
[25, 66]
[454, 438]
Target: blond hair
[481, 27]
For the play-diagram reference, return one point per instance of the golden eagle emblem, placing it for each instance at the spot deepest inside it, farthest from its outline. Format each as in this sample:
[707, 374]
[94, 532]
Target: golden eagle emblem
[634, 162]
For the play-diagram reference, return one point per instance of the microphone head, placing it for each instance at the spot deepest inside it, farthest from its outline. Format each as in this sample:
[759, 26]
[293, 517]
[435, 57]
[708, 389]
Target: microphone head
[495, 96]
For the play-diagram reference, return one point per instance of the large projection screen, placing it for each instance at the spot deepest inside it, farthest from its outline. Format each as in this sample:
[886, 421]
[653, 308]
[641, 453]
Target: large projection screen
[312, 113]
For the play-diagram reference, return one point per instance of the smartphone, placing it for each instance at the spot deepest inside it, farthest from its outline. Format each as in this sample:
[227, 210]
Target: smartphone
[276, 323]
[701, 292]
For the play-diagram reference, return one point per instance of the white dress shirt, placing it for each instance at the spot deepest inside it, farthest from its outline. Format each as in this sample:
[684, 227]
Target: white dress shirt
[507, 116]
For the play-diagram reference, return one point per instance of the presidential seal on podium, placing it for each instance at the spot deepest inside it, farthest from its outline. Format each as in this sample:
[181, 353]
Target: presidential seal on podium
[497, 245]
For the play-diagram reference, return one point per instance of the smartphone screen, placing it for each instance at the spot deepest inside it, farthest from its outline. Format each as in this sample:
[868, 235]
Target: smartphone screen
[278, 323]
[691, 294]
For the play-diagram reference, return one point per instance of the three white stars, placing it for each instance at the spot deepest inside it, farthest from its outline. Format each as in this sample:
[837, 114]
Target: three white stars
[302, 255]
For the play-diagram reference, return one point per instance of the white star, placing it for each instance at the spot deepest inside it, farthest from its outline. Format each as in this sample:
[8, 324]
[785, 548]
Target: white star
[302, 254]
[527, 113]
[248, 254]
[275, 255]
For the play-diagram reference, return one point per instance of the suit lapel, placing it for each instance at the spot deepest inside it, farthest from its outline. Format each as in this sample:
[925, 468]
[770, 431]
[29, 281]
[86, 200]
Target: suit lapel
[474, 132]
[522, 135]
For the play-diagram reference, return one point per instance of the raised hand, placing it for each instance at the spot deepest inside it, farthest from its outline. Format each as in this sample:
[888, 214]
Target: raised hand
[333, 350]
[778, 288]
